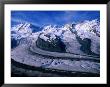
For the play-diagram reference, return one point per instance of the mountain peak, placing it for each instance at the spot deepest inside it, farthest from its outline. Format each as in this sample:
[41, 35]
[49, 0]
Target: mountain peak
[73, 35]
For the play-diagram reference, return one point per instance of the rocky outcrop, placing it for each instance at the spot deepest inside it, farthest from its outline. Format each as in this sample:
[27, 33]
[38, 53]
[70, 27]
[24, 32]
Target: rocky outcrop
[14, 43]
[55, 45]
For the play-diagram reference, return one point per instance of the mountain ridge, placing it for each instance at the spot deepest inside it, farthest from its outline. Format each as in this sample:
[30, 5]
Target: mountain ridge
[69, 34]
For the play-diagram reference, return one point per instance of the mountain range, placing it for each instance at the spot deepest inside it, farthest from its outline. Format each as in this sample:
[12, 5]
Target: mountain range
[81, 38]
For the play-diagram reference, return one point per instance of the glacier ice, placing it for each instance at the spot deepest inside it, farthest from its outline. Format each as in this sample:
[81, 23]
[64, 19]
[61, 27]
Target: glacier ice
[72, 35]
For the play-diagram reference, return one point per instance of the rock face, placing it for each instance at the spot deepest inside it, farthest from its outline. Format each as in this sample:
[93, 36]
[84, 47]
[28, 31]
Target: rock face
[85, 45]
[55, 45]
[14, 43]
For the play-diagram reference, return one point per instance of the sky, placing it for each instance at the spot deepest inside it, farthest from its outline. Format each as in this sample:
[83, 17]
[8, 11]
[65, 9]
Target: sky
[41, 18]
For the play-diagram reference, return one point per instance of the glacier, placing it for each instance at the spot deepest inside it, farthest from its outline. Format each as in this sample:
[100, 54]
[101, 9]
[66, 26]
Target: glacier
[80, 39]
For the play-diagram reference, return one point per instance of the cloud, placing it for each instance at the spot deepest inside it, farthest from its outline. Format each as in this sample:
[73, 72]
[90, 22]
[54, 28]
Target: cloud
[18, 20]
[42, 18]
[23, 21]
[68, 15]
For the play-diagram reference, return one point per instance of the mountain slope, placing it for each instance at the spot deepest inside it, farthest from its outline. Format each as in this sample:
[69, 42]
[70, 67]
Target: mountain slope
[82, 38]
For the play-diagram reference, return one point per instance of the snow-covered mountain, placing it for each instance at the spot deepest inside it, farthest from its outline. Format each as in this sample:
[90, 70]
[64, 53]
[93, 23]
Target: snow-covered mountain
[22, 33]
[81, 38]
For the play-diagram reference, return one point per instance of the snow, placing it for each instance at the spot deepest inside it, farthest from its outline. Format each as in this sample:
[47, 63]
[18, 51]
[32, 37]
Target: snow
[34, 36]
[42, 36]
[52, 37]
[68, 36]
[84, 30]
[15, 28]
[21, 31]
